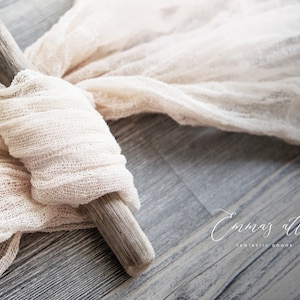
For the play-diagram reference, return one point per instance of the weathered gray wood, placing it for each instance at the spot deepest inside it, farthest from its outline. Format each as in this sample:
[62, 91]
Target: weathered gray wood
[122, 233]
[28, 20]
[218, 167]
[11, 57]
[176, 170]
[273, 275]
[202, 268]
[109, 213]
[62, 265]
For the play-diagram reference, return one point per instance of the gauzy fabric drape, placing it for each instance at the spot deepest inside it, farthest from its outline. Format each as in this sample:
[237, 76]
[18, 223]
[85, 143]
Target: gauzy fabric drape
[233, 65]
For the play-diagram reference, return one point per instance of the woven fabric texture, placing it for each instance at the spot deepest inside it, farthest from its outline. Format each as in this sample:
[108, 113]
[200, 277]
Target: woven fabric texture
[56, 153]
[233, 65]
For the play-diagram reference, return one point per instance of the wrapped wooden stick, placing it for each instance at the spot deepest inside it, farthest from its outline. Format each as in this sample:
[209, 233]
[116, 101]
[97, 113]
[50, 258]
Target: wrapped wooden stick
[111, 216]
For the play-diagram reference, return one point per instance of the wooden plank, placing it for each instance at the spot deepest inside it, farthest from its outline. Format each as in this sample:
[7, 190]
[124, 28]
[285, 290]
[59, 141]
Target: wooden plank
[28, 20]
[200, 267]
[274, 275]
[213, 164]
[170, 212]
[62, 265]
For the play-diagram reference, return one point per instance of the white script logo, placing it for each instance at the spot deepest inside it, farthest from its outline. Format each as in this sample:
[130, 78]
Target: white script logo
[292, 227]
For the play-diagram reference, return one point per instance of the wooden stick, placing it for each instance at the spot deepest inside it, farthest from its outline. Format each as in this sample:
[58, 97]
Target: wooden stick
[111, 216]
[11, 57]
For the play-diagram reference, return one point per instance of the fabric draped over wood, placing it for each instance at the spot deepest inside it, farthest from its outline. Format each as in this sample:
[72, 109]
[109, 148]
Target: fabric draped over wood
[233, 65]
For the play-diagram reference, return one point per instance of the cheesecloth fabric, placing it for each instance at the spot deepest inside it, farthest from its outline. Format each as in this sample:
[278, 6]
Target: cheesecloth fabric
[233, 65]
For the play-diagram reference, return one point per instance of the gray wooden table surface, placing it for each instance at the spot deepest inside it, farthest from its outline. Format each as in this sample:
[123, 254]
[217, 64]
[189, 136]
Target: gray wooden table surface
[183, 176]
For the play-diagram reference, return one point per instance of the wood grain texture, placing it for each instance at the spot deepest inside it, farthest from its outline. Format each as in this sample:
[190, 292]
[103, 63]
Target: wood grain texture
[28, 20]
[217, 167]
[203, 268]
[182, 174]
[121, 232]
[11, 61]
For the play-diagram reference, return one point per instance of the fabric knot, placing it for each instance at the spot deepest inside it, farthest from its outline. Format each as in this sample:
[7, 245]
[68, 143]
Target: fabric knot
[66, 146]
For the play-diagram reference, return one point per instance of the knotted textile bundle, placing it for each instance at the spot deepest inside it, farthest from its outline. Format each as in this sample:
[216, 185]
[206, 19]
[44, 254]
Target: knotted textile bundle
[61, 155]
[234, 65]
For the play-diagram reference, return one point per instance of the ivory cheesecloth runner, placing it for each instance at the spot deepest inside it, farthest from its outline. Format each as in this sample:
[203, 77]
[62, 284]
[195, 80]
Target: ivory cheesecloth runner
[234, 65]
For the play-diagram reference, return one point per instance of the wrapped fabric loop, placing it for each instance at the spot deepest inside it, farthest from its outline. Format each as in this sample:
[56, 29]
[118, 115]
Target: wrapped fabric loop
[64, 143]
